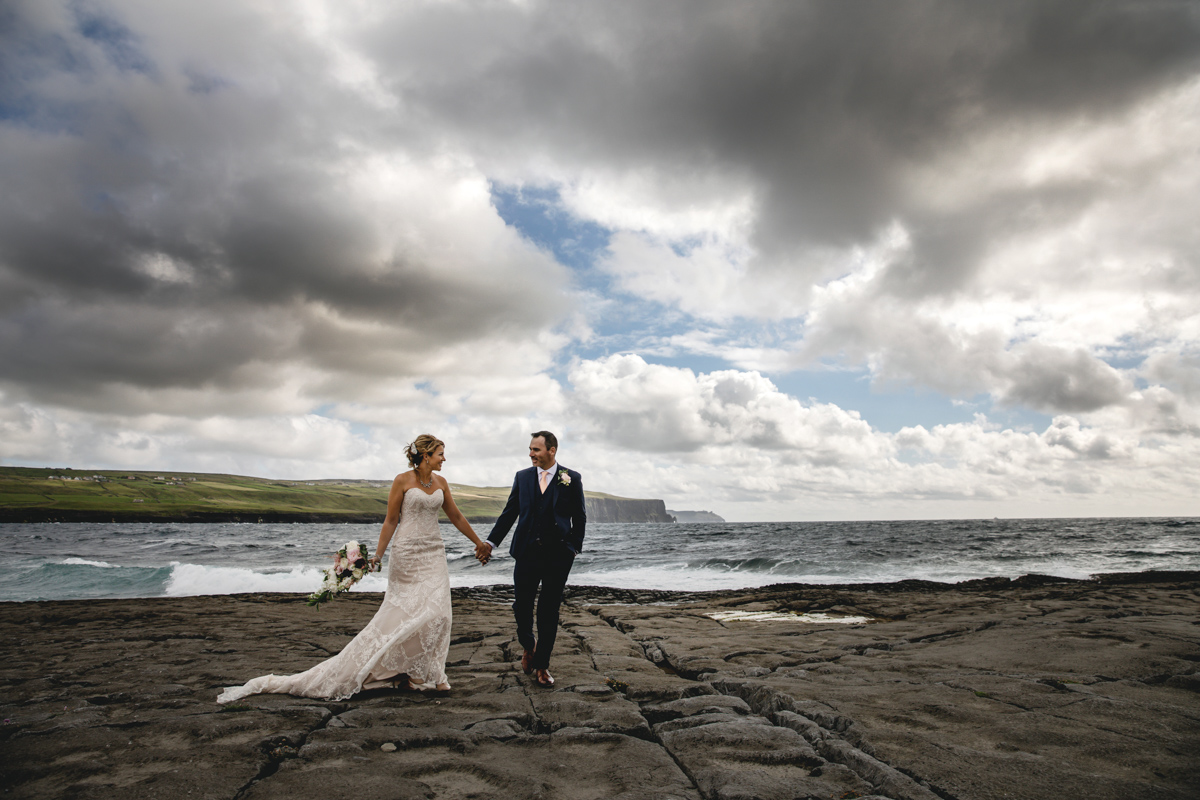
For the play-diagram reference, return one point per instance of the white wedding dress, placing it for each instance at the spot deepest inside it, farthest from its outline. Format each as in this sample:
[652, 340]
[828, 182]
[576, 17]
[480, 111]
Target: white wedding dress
[409, 634]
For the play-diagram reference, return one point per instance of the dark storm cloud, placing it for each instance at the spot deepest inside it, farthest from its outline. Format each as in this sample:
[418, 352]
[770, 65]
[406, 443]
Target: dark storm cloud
[175, 214]
[121, 46]
[1052, 379]
[824, 106]
[157, 172]
[160, 347]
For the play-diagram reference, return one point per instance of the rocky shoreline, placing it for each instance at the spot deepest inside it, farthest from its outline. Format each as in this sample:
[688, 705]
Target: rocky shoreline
[1034, 688]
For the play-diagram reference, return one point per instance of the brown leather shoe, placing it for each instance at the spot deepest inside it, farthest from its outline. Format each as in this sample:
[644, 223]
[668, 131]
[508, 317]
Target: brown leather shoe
[544, 678]
[527, 662]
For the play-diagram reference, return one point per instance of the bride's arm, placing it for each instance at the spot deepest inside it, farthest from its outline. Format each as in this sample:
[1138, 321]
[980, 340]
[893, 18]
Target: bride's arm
[395, 501]
[456, 517]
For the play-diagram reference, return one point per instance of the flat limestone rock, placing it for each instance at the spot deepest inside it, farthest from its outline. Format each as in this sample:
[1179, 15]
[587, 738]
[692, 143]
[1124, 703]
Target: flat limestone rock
[608, 714]
[574, 765]
[1030, 688]
[690, 706]
[734, 757]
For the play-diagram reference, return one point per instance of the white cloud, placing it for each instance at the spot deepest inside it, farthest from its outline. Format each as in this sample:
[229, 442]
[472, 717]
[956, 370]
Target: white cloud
[731, 441]
[671, 206]
[260, 238]
[649, 407]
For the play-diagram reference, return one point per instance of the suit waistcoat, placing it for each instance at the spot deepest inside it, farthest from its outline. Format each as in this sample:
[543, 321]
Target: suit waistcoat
[544, 526]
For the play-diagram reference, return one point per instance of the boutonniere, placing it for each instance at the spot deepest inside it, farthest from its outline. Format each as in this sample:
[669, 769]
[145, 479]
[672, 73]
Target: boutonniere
[564, 478]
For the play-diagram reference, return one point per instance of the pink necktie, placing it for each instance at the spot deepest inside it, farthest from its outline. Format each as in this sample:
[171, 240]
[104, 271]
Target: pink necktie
[545, 480]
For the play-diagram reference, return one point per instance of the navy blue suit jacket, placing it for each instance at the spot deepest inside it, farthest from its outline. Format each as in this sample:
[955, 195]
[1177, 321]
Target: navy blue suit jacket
[524, 501]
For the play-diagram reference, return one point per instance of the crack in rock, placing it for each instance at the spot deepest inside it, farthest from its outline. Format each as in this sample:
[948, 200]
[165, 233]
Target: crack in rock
[824, 730]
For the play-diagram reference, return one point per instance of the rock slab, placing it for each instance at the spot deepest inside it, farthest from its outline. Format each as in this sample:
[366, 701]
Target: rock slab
[1030, 688]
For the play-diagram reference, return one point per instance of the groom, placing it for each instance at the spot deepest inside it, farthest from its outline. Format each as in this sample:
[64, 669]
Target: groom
[546, 502]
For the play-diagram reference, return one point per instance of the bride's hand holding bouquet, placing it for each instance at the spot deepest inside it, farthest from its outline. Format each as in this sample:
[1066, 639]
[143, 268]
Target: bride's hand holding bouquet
[350, 564]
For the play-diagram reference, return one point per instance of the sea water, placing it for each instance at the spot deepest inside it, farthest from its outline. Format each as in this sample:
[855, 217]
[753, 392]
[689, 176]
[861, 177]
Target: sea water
[58, 561]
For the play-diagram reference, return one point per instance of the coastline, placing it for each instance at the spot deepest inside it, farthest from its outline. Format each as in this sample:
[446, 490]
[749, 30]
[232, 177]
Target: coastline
[611, 511]
[36, 494]
[986, 689]
[52, 515]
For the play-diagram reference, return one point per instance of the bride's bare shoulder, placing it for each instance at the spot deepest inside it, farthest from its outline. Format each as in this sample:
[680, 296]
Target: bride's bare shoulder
[403, 480]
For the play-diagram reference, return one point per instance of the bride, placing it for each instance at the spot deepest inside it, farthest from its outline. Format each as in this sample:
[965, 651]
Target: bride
[409, 637]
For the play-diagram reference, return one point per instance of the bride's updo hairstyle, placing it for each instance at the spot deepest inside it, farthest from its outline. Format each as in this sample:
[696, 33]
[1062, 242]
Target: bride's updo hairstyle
[422, 446]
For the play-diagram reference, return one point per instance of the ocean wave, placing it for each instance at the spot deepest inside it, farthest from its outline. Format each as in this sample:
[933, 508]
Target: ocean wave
[765, 564]
[83, 579]
[86, 562]
[80, 579]
[681, 577]
[188, 580]
[200, 558]
[671, 578]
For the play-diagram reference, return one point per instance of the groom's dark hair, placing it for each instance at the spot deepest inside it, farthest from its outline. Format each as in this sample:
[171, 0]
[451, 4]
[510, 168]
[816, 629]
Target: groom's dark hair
[551, 439]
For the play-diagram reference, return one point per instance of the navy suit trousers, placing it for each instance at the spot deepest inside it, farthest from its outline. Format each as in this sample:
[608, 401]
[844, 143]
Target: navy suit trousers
[547, 565]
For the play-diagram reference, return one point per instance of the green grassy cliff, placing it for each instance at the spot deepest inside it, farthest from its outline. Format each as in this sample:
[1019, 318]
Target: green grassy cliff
[66, 495]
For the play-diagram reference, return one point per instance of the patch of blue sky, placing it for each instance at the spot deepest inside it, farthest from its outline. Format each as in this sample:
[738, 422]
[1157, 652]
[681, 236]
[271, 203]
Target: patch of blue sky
[537, 213]
[1018, 418]
[360, 430]
[699, 364]
[619, 324]
[1124, 359]
[626, 324]
[684, 247]
[121, 46]
[662, 334]
[1128, 352]
[895, 407]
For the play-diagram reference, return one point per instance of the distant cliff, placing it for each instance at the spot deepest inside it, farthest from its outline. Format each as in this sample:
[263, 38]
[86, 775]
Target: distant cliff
[621, 509]
[695, 516]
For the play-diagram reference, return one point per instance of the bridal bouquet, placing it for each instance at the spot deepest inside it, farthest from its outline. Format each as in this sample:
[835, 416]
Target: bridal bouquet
[349, 565]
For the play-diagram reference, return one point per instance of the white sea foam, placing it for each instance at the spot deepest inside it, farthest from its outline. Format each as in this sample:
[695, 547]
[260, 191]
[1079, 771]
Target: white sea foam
[679, 577]
[150, 560]
[784, 616]
[194, 579]
[670, 577]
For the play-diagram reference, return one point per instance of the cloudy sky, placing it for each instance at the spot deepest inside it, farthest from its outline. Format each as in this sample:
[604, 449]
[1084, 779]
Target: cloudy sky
[780, 260]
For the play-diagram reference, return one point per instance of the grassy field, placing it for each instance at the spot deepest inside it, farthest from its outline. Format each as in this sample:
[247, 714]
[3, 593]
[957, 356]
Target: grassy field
[30, 494]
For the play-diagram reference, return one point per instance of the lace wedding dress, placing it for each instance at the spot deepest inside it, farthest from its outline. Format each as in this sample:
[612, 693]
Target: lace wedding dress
[410, 633]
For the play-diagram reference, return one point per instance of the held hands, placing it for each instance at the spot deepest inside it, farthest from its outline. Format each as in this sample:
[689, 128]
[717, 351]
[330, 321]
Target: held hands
[483, 552]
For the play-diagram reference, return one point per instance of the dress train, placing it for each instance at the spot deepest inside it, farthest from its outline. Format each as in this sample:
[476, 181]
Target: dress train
[409, 634]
